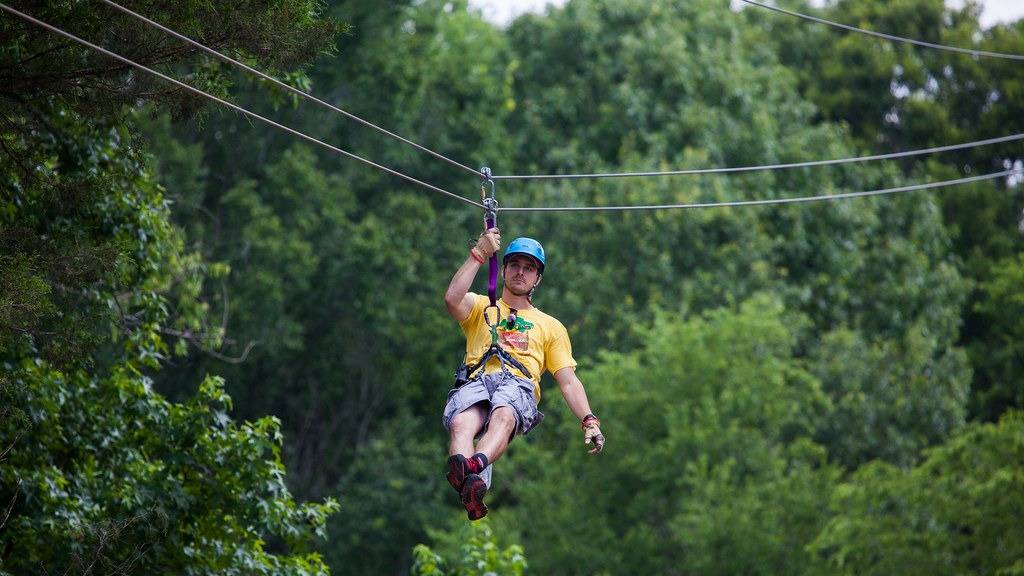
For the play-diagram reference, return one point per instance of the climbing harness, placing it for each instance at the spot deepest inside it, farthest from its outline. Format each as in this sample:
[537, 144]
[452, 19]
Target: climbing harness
[492, 313]
[466, 373]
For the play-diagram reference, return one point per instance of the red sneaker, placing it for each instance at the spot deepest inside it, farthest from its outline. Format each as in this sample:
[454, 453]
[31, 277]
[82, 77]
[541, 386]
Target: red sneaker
[457, 471]
[473, 491]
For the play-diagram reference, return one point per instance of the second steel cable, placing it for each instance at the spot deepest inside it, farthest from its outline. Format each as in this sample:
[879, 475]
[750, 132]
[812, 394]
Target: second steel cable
[892, 37]
[231, 105]
[786, 166]
[769, 201]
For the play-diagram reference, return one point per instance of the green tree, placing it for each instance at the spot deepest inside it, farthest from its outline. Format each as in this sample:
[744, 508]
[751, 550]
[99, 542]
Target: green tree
[101, 473]
[83, 224]
[638, 104]
[890, 399]
[895, 97]
[87, 246]
[479, 555]
[109, 476]
[956, 512]
[999, 354]
[391, 507]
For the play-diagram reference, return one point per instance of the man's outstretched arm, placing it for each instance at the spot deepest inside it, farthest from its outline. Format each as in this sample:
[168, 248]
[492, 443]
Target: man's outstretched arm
[576, 397]
[457, 298]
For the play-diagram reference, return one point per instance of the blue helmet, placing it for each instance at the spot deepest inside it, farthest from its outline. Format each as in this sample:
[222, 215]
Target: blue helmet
[527, 246]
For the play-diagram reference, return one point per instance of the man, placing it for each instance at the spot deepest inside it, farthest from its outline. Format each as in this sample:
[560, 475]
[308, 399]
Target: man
[499, 400]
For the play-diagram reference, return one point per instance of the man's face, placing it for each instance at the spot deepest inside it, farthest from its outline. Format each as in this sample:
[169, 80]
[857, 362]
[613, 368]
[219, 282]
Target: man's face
[521, 274]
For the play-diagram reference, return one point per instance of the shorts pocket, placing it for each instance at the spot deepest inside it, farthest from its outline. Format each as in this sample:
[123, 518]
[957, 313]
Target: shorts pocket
[450, 409]
[528, 410]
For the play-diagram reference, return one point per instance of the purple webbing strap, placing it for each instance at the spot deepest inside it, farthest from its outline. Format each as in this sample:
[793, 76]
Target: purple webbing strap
[492, 279]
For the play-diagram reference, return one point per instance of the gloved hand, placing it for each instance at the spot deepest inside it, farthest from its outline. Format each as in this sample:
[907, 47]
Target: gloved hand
[592, 433]
[488, 243]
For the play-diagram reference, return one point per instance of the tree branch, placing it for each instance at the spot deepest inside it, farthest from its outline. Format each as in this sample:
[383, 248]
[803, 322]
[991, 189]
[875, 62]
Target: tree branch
[11, 505]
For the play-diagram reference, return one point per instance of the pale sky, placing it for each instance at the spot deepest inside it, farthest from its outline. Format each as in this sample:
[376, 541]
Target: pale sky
[503, 11]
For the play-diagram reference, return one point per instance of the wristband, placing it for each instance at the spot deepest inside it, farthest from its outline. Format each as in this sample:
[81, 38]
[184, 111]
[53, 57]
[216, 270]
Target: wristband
[476, 255]
[587, 419]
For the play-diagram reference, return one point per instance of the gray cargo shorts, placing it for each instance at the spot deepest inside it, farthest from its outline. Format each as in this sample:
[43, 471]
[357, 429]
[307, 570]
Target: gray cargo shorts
[499, 390]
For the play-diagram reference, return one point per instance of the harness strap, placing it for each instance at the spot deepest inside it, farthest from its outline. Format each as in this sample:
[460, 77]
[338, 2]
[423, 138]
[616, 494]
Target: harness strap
[490, 221]
[503, 357]
[492, 277]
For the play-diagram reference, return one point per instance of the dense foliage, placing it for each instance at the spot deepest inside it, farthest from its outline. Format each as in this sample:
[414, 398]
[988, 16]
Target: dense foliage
[100, 473]
[111, 477]
[799, 389]
[947, 515]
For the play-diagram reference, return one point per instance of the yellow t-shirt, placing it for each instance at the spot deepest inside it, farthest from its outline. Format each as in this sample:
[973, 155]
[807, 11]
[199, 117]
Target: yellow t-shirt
[539, 341]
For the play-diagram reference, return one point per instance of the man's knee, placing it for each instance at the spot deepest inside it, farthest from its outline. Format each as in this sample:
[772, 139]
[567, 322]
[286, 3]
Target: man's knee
[503, 417]
[467, 422]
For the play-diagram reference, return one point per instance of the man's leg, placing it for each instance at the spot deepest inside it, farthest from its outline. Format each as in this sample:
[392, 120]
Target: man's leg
[492, 446]
[499, 432]
[462, 430]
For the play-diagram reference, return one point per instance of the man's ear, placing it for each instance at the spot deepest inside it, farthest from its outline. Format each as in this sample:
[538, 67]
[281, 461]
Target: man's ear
[539, 278]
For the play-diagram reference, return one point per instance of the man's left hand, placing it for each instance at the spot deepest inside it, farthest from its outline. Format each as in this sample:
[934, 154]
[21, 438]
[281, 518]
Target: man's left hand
[592, 434]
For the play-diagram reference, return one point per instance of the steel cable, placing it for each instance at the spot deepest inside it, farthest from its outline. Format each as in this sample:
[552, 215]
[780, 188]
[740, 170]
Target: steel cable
[231, 105]
[823, 197]
[889, 156]
[892, 37]
[291, 89]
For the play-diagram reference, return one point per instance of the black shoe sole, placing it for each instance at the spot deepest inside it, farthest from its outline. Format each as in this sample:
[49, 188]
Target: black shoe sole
[473, 492]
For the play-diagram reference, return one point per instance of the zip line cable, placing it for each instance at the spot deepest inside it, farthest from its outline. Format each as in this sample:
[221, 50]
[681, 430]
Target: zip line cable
[231, 105]
[825, 197]
[366, 123]
[892, 37]
[291, 89]
[890, 156]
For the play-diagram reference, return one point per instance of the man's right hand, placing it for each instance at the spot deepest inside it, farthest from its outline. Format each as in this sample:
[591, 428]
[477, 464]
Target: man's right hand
[488, 243]
[592, 433]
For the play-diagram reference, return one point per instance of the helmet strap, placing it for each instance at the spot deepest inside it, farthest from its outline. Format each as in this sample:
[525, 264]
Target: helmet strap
[529, 297]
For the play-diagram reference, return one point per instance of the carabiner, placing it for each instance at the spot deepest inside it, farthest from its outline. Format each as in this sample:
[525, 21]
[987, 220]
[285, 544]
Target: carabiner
[488, 200]
[497, 314]
[492, 325]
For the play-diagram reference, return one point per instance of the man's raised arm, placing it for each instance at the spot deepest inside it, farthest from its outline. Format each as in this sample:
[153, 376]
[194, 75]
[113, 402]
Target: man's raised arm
[457, 298]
